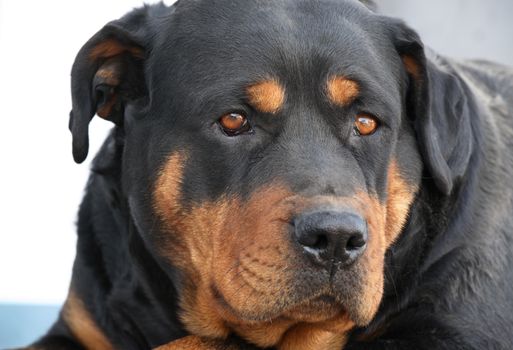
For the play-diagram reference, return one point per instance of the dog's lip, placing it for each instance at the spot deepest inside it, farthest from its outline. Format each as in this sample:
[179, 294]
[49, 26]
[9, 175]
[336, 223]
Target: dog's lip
[304, 310]
[325, 298]
[317, 309]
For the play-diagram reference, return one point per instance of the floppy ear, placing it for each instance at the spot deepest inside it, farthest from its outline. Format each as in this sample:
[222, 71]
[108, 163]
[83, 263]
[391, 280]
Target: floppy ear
[107, 74]
[440, 105]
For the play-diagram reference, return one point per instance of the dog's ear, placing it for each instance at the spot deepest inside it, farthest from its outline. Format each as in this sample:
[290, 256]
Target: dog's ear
[439, 104]
[107, 74]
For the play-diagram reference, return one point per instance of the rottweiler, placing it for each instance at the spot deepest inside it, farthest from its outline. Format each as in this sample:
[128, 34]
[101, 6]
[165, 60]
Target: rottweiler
[291, 175]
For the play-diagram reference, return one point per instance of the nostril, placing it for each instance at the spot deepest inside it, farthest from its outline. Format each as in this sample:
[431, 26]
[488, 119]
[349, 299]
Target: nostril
[355, 242]
[315, 239]
[321, 241]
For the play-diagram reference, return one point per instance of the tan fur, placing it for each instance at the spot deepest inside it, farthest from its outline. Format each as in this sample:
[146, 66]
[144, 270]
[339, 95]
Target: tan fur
[411, 65]
[342, 91]
[110, 48]
[242, 249]
[106, 110]
[399, 200]
[109, 74]
[308, 337]
[82, 326]
[385, 222]
[267, 96]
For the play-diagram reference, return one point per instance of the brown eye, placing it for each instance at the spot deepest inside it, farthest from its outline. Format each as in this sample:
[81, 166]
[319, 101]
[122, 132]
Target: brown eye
[234, 124]
[365, 124]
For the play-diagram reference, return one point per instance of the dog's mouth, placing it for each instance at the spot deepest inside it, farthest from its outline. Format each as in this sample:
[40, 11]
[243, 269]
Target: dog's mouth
[322, 315]
[318, 308]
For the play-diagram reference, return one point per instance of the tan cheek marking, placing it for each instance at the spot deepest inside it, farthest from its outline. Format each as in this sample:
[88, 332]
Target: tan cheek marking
[166, 194]
[399, 200]
[267, 96]
[167, 207]
[219, 230]
[111, 47]
[208, 230]
[342, 91]
[260, 255]
[385, 223]
[411, 65]
[188, 245]
[82, 325]
[372, 262]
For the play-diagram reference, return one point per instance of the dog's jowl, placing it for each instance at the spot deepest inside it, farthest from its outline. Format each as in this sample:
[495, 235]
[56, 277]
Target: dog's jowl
[288, 174]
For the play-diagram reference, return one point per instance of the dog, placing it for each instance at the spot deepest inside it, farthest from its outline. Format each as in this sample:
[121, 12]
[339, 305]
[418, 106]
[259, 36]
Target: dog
[288, 174]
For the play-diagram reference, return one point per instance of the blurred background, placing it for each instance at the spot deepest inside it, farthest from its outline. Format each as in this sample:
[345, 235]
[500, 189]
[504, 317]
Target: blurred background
[41, 187]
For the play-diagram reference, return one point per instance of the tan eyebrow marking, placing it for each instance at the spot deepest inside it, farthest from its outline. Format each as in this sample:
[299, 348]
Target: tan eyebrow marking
[342, 91]
[266, 96]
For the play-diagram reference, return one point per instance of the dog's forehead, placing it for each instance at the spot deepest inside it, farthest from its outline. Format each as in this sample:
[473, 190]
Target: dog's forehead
[261, 35]
[209, 52]
[280, 10]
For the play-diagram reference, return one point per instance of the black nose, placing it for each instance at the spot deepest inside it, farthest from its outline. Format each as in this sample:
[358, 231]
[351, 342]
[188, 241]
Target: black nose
[329, 237]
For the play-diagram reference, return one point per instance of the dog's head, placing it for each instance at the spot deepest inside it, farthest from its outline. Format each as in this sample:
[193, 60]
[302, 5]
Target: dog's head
[272, 152]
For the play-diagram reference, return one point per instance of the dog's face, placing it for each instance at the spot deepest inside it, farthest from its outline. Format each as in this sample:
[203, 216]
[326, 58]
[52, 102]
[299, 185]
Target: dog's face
[269, 159]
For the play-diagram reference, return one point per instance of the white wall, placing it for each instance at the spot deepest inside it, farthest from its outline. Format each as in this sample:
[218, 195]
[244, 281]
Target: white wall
[40, 185]
[460, 28]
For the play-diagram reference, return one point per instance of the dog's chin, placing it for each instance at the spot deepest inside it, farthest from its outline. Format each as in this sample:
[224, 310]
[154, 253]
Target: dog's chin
[318, 309]
[328, 307]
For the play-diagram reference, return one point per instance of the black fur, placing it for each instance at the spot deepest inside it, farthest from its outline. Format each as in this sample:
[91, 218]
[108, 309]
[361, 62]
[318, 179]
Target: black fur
[449, 281]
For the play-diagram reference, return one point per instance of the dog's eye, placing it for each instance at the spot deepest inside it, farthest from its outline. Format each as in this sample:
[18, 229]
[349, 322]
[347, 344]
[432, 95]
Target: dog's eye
[234, 124]
[365, 124]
